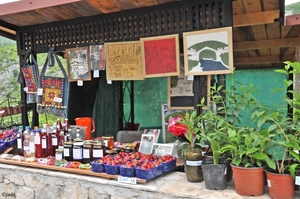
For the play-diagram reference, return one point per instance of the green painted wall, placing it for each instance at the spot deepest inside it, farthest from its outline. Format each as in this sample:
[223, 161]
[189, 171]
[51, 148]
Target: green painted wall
[151, 93]
[264, 81]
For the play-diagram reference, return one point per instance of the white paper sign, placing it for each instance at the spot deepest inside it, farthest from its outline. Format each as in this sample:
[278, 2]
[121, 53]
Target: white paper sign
[126, 180]
[57, 99]
[193, 163]
[297, 180]
[79, 83]
[39, 91]
[96, 73]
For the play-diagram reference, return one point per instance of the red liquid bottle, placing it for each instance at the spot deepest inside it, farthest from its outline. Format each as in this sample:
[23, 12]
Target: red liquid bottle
[67, 124]
[44, 143]
[59, 125]
[61, 140]
[20, 141]
[54, 140]
[38, 144]
[49, 141]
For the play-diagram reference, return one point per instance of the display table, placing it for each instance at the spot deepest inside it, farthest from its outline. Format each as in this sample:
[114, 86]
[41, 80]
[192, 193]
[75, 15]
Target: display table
[27, 182]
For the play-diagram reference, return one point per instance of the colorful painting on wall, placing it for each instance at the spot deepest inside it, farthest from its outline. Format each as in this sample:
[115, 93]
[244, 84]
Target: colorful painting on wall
[161, 56]
[208, 51]
[123, 61]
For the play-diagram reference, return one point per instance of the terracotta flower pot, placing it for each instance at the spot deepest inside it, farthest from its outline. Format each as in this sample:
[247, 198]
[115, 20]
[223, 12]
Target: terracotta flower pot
[249, 181]
[280, 186]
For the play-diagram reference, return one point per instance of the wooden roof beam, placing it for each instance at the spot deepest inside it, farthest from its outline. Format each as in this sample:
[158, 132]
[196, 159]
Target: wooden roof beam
[273, 59]
[256, 18]
[262, 44]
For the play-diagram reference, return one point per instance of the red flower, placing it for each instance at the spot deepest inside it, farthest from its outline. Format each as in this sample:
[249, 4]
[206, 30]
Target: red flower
[177, 129]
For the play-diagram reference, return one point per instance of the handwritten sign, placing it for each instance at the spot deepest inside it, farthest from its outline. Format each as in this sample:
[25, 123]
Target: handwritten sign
[126, 180]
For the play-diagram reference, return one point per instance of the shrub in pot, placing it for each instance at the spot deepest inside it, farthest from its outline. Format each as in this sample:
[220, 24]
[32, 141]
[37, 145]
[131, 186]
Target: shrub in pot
[228, 140]
[282, 134]
[185, 125]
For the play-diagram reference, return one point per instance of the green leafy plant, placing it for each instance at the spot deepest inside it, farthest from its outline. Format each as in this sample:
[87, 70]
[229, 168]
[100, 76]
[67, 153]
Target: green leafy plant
[185, 125]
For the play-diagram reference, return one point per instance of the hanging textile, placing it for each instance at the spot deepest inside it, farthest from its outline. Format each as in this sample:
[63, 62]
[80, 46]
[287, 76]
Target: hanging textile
[30, 71]
[53, 91]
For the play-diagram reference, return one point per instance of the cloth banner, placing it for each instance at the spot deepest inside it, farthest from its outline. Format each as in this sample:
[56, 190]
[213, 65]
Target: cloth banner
[53, 91]
[30, 71]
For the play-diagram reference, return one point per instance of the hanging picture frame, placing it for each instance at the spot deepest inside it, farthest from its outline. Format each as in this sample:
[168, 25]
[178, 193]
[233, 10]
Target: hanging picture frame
[161, 56]
[97, 57]
[180, 90]
[123, 61]
[208, 52]
[78, 64]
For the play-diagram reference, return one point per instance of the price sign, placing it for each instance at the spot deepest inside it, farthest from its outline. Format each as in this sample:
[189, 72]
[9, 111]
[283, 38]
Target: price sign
[297, 180]
[39, 91]
[126, 180]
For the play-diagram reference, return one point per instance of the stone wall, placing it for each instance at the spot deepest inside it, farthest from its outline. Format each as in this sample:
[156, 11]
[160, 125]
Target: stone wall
[31, 183]
[18, 182]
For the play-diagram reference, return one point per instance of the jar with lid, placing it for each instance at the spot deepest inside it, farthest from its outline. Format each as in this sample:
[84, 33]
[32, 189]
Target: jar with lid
[58, 154]
[78, 151]
[68, 151]
[98, 149]
[109, 141]
[87, 152]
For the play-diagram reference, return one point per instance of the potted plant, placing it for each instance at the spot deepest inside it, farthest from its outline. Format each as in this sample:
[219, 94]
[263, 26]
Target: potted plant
[282, 134]
[245, 148]
[215, 166]
[185, 125]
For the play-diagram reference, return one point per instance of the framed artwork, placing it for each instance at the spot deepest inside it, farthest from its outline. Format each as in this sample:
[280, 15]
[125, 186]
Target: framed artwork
[123, 61]
[161, 56]
[208, 51]
[180, 90]
[97, 57]
[162, 149]
[147, 141]
[78, 64]
[154, 132]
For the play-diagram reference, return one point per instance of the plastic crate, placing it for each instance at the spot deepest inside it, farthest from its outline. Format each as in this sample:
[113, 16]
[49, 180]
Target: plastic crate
[158, 170]
[146, 174]
[2, 147]
[168, 166]
[127, 171]
[97, 167]
[112, 170]
[11, 143]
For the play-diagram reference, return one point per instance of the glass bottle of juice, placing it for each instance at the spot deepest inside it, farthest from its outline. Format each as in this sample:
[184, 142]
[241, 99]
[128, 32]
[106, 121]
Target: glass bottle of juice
[44, 142]
[20, 140]
[61, 140]
[49, 141]
[31, 144]
[26, 142]
[54, 140]
[38, 144]
[66, 125]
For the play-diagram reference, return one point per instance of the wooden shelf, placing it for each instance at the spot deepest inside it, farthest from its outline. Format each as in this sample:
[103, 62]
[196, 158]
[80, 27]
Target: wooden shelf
[68, 170]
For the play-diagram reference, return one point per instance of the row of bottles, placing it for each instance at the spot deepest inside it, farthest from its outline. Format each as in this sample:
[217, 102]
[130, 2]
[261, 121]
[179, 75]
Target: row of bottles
[56, 141]
[43, 142]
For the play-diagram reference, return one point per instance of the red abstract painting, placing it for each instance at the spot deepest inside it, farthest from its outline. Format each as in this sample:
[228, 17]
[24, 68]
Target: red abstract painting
[161, 56]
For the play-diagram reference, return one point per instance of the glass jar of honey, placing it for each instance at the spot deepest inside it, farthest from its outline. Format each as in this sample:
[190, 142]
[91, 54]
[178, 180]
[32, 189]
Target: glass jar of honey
[87, 152]
[98, 149]
[68, 151]
[58, 154]
[109, 141]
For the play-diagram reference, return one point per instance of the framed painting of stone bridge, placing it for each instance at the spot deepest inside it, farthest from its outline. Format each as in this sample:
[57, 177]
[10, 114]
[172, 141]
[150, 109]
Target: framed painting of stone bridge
[208, 52]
